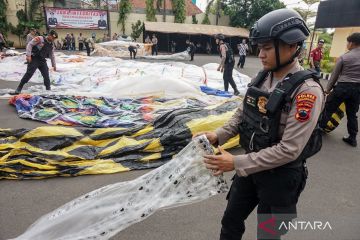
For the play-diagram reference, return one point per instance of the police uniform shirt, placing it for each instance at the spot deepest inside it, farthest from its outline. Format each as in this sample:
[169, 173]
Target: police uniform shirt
[39, 43]
[347, 69]
[294, 131]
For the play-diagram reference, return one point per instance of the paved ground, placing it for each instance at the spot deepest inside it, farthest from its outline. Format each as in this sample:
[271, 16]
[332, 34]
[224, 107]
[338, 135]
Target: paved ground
[332, 193]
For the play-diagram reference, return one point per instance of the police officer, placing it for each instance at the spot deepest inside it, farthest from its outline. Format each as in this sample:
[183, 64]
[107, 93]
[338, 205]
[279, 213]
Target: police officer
[276, 123]
[347, 76]
[227, 63]
[37, 51]
[133, 50]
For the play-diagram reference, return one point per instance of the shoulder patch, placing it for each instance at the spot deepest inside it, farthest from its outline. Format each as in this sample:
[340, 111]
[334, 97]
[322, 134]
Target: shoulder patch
[304, 104]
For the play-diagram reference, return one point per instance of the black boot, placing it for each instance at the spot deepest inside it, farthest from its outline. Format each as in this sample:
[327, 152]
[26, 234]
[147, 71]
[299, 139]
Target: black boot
[350, 140]
[236, 92]
[17, 91]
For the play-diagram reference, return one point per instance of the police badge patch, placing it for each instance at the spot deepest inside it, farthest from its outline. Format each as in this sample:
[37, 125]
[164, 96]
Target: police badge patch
[304, 104]
[261, 104]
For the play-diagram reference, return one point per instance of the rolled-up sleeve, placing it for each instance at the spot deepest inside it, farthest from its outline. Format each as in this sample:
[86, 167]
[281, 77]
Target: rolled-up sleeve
[297, 132]
[35, 41]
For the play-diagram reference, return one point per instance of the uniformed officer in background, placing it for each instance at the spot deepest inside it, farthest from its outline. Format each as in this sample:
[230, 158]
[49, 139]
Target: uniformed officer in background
[346, 76]
[227, 63]
[37, 51]
[277, 125]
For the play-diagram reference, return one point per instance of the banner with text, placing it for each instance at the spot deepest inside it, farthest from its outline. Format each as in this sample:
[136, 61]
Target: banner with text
[76, 18]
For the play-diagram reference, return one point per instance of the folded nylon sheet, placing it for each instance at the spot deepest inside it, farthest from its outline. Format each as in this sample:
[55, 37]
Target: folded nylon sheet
[63, 151]
[105, 212]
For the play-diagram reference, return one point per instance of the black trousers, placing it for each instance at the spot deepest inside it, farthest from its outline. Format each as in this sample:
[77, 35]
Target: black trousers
[154, 50]
[132, 52]
[241, 62]
[81, 46]
[276, 194]
[192, 56]
[36, 63]
[349, 93]
[228, 78]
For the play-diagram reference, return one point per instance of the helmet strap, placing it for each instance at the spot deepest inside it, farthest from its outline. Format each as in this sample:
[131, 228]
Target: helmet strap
[277, 55]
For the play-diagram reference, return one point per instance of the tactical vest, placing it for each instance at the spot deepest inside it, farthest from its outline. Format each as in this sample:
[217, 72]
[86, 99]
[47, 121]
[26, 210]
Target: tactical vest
[262, 111]
[45, 51]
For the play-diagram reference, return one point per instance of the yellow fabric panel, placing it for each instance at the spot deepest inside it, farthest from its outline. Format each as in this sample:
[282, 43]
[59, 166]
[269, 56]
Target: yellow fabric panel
[209, 123]
[151, 157]
[123, 142]
[104, 166]
[143, 131]
[51, 132]
[31, 164]
[154, 146]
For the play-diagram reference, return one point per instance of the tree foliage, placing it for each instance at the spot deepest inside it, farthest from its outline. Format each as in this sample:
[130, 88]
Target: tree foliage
[4, 26]
[124, 10]
[150, 11]
[307, 13]
[179, 10]
[137, 29]
[244, 13]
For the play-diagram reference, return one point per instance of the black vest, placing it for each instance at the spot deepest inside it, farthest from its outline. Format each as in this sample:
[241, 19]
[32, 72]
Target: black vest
[259, 127]
[44, 52]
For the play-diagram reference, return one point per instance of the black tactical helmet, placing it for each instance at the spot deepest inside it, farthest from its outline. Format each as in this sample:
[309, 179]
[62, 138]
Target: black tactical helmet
[283, 24]
[53, 33]
[220, 36]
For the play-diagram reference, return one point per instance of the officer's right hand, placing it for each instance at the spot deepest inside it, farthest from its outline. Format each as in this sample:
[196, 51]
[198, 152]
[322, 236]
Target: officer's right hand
[28, 59]
[211, 136]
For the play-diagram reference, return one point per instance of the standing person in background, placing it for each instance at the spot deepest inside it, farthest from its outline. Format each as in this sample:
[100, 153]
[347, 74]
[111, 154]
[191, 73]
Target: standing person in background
[81, 42]
[191, 49]
[243, 48]
[87, 47]
[115, 37]
[37, 51]
[2, 42]
[227, 63]
[316, 56]
[346, 76]
[72, 42]
[173, 46]
[154, 41]
[68, 41]
[147, 39]
[30, 35]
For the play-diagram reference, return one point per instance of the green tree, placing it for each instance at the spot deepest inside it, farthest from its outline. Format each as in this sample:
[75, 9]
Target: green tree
[178, 7]
[137, 29]
[4, 26]
[307, 12]
[150, 11]
[124, 10]
[244, 13]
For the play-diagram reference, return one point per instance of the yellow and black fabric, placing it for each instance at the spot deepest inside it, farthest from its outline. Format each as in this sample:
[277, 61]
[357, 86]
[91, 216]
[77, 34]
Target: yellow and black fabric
[63, 151]
[335, 118]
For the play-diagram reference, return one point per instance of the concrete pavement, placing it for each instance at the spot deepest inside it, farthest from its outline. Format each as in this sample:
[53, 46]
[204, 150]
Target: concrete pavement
[332, 193]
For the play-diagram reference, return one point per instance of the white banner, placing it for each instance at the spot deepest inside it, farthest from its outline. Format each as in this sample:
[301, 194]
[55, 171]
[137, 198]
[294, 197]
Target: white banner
[76, 18]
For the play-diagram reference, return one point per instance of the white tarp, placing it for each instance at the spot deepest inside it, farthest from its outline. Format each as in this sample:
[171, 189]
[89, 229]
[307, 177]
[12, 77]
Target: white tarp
[114, 77]
[105, 212]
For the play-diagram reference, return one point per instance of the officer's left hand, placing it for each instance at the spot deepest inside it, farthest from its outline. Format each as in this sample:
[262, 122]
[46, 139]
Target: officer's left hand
[54, 68]
[220, 163]
[222, 69]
